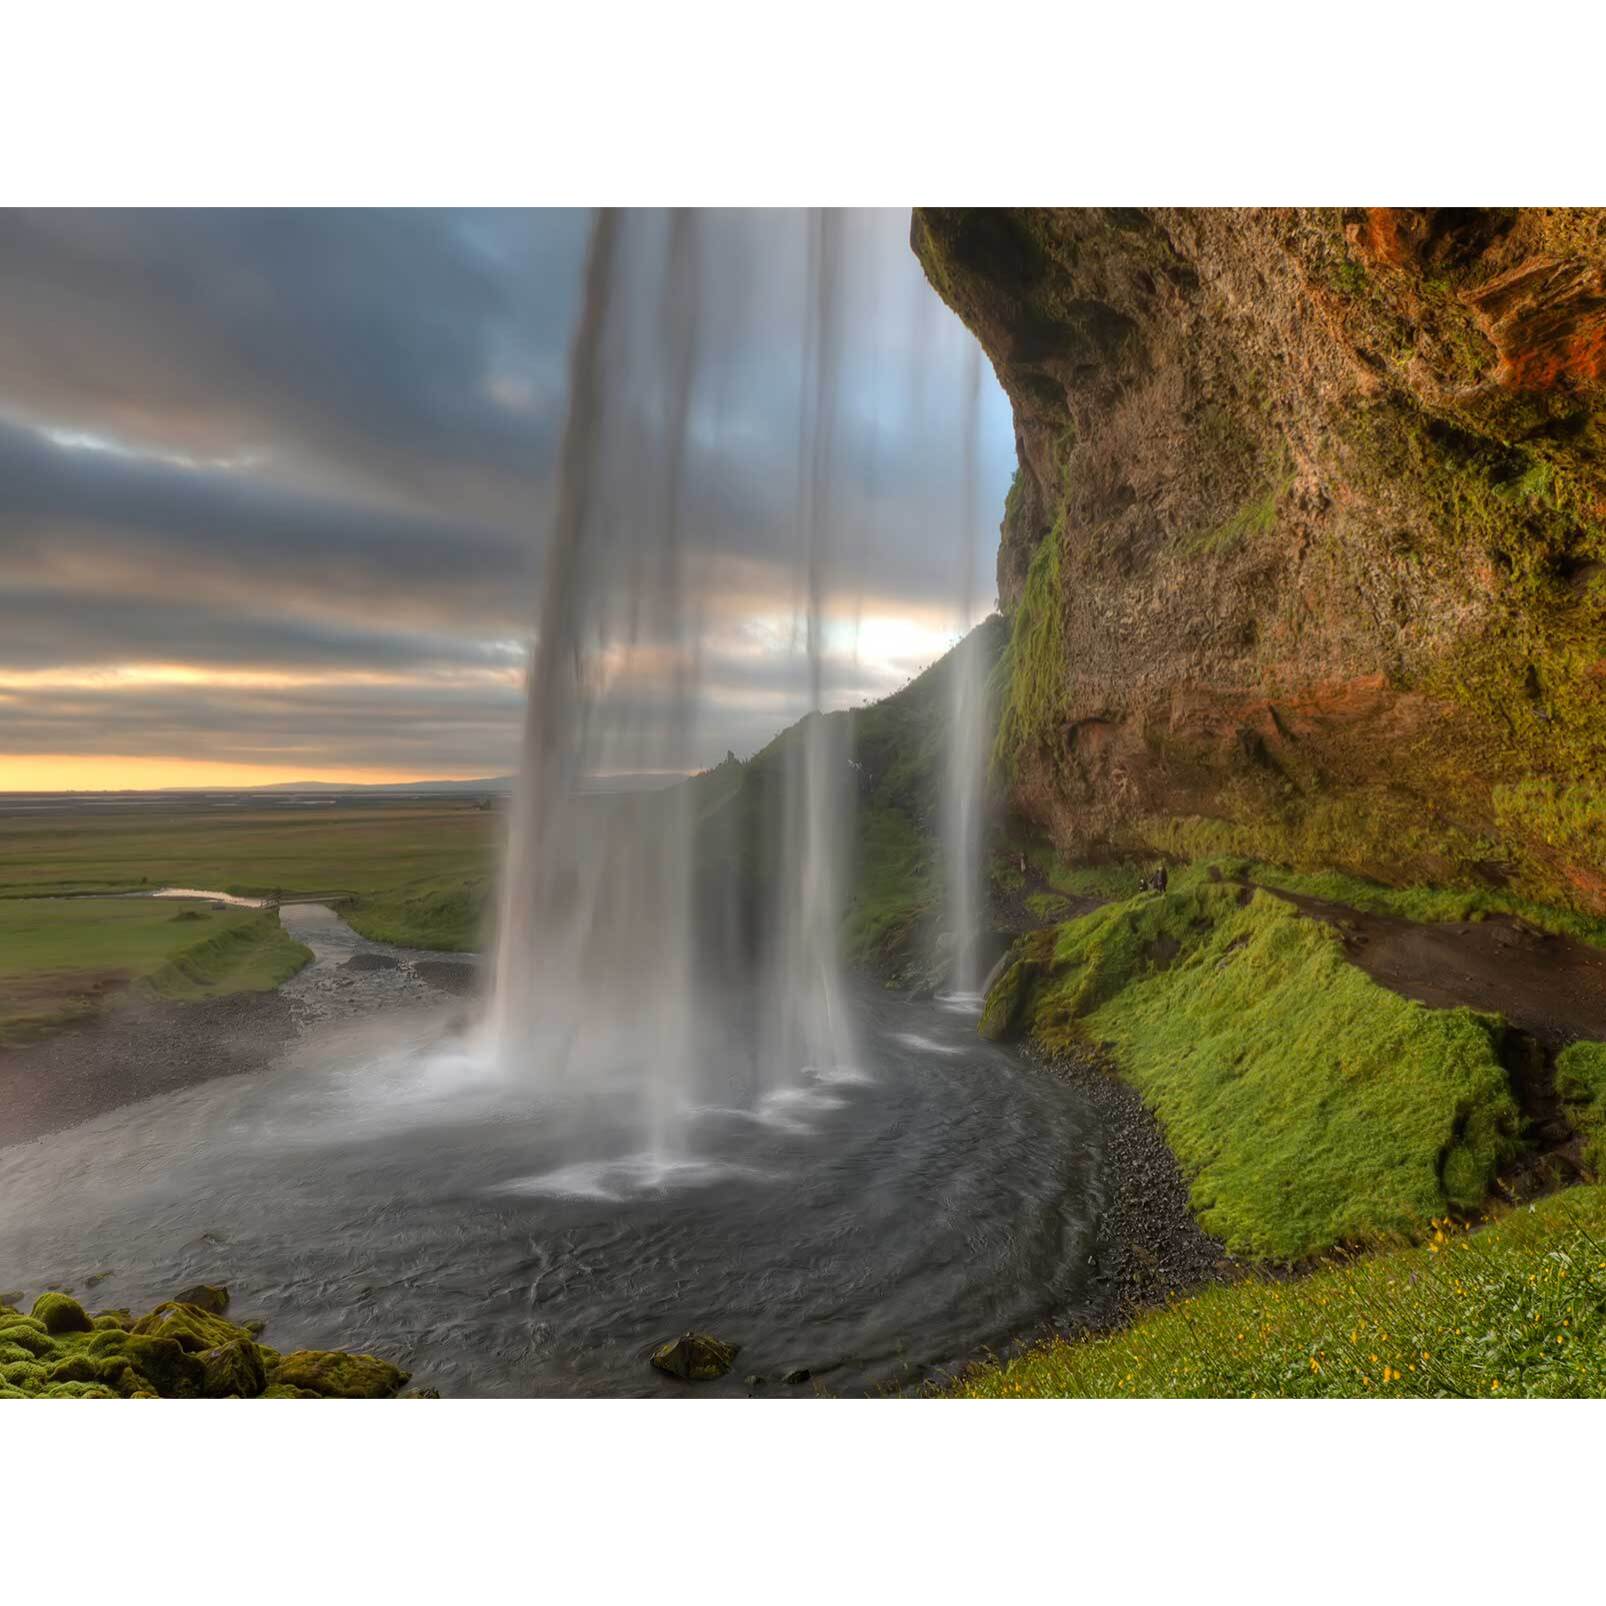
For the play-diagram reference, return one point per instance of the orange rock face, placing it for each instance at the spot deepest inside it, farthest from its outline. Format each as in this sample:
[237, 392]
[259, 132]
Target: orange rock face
[1326, 493]
[1547, 320]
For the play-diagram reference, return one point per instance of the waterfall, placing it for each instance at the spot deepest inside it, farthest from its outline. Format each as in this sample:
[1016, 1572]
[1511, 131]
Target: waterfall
[614, 943]
[964, 781]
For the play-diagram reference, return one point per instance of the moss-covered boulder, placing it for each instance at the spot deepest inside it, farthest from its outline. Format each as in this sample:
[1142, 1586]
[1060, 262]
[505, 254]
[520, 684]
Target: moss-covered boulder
[695, 1357]
[213, 1298]
[1002, 1015]
[233, 1370]
[189, 1325]
[26, 1333]
[180, 1350]
[172, 1370]
[335, 1375]
[61, 1313]
[1581, 1085]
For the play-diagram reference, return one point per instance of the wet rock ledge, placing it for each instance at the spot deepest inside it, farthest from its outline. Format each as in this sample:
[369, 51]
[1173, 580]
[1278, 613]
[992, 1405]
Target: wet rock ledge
[184, 1349]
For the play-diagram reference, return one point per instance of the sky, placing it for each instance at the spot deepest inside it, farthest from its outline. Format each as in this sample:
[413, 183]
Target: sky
[275, 486]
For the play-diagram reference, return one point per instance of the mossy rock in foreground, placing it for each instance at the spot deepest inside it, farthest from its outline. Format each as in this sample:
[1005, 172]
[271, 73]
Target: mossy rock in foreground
[335, 1375]
[60, 1313]
[177, 1351]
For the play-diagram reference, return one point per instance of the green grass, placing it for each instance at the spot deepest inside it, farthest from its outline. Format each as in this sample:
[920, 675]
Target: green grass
[1515, 1309]
[899, 745]
[448, 915]
[414, 874]
[1307, 1105]
[1048, 905]
[1030, 677]
[63, 959]
[1581, 1082]
[897, 885]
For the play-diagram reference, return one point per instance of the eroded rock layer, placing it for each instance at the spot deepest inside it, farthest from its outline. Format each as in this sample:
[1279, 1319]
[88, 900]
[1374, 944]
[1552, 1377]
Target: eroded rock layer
[1306, 556]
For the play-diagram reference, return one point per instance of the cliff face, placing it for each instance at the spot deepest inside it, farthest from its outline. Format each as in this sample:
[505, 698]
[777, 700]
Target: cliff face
[1306, 556]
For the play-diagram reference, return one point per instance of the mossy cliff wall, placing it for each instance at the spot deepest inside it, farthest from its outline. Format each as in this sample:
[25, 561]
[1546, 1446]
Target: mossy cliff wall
[1306, 557]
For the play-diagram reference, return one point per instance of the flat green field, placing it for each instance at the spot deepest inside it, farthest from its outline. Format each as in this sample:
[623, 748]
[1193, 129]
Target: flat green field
[415, 874]
[63, 959]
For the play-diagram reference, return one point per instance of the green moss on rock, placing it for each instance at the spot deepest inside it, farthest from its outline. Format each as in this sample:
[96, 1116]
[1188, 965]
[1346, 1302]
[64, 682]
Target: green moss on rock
[1581, 1086]
[177, 1351]
[27, 1334]
[234, 1369]
[210, 1297]
[60, 1313]
[193, 1328]
[1003, 1013]
[335, 1375]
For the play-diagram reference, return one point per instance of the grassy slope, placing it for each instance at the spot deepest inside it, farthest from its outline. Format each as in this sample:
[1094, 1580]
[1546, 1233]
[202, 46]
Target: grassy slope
[1308, 1105]
[60, 959]
[897, 886]
[416, 874]
[1581, 1082]
[1516, 1309]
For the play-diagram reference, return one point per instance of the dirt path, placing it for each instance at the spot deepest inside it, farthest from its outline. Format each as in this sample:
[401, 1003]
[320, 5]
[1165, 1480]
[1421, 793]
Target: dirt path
[1553, 988]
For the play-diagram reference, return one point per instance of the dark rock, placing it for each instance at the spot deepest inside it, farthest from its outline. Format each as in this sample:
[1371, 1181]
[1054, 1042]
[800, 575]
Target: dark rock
[798, 1374]
[695, 1357]
[213, 1298]
[422, 1394]
[447, 974]
[754, 1381]
[360, 962]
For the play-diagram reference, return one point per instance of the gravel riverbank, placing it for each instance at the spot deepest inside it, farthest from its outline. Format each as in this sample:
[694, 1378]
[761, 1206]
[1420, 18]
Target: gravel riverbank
[137, 1049]
[1150, 1247]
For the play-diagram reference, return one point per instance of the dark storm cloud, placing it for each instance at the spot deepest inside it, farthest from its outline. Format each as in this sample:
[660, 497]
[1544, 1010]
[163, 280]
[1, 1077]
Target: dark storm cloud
[324, 441]
[395, 344]
[166, 530]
